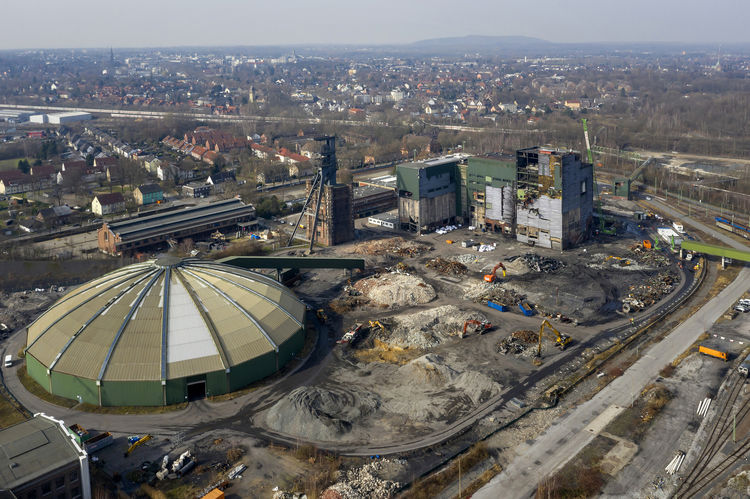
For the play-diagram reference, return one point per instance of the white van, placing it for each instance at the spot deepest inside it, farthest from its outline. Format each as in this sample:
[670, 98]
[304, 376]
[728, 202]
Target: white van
[8, 361]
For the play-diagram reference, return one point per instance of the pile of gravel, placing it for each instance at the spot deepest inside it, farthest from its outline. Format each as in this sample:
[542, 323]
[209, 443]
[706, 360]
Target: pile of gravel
[321, 413]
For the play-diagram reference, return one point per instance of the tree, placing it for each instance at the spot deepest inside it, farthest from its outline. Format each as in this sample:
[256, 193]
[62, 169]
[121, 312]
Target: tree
[24, 166]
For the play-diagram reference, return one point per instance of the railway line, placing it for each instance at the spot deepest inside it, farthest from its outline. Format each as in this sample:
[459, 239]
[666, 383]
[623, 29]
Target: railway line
[706, 469]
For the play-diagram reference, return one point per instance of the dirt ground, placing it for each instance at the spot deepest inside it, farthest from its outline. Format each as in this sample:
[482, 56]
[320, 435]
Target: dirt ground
[416, 373]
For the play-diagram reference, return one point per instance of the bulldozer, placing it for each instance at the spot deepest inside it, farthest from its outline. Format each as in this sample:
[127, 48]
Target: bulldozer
[561, 340]
[481, 326]
[491, 276]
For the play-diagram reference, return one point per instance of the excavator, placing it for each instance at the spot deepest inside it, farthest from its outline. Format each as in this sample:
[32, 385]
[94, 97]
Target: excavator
[491, 276]
[481, 326]
[561, 340]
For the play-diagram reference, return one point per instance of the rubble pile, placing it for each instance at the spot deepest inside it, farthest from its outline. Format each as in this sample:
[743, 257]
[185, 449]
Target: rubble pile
[653, 289]
[539, 263]
[365, 482]
[483, 292]
[394, 245]
[20, 308]
[510, 345]
[395, 289]
[428, 328]
[466, 258]
[446, 266]
[525, 335]
[651, 258]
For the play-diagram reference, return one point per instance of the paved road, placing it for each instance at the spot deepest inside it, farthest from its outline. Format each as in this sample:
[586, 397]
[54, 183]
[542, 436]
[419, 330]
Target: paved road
[567, 436]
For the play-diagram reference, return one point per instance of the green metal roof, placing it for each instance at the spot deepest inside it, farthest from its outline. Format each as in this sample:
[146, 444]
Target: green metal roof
[710, 249]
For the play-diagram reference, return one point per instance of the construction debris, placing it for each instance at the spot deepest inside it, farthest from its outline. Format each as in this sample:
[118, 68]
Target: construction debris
[446, 266]
[395, 245]
[648, 293]
[538, 263]
[428, 328]
[525, 335]
[510, 345]
[366, 482]
[483, 292]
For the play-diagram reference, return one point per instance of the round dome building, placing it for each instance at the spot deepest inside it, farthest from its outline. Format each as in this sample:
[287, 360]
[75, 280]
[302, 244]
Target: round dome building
[159, 332]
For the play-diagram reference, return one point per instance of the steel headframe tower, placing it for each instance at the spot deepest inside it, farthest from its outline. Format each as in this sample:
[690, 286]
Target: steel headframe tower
[326, 175]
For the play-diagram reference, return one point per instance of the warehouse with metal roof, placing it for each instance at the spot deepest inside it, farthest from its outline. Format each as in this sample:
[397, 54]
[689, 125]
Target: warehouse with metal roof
[165, 331]
[139, 233]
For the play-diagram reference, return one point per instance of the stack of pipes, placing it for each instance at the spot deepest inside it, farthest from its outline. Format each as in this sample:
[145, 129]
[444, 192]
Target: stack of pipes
[703, 407]
[674, 465]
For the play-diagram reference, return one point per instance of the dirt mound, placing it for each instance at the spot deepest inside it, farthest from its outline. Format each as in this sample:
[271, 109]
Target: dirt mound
[396, 289]
[321, 413]
[439, 391]
[483, 291]
[428, 328]
[394, 245]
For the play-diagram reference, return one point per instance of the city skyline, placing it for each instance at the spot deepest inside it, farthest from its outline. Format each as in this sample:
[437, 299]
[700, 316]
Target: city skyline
[84, 24]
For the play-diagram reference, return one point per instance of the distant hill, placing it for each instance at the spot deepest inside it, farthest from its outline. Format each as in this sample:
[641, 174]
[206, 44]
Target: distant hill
[479, 42]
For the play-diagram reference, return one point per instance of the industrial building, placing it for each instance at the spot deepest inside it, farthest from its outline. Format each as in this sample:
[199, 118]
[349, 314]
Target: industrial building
[40, 458]
[370, 200]
[70, 117]
[542, 196]
[428, 193]
[555, 203]
[163, 332]
[139, 233]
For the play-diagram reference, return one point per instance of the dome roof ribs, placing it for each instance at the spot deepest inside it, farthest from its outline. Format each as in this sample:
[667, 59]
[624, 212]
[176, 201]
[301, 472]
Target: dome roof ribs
[206, 319]
[124, 324]
[165, 323]
[238, 307]
[146, 270]
[249, 290]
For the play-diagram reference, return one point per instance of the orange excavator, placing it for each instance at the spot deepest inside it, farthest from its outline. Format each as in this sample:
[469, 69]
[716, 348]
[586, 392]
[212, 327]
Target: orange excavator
[481, 326]
[491, 276]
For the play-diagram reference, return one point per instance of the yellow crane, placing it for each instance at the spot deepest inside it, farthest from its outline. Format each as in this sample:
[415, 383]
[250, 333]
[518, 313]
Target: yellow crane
[138, 442]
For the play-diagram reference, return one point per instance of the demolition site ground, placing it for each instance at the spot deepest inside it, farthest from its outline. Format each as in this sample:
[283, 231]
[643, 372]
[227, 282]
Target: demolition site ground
[412, 385]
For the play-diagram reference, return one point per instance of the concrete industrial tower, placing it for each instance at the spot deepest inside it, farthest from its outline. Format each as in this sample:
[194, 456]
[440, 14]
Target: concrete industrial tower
[330, 220]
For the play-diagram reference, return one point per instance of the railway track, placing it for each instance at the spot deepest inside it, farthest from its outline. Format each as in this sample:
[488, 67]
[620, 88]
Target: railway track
[703, 472]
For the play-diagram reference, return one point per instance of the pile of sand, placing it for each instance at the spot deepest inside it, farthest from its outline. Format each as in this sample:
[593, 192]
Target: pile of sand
[396, 289]
[321, 413]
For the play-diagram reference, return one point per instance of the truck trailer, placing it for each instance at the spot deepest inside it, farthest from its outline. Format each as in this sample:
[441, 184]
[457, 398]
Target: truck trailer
[714, 351]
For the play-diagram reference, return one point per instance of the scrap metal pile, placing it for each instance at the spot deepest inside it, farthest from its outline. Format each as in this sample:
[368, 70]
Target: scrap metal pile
[648, 293]
[510, 345]
[538, 263]
[526, 335]
[498, 294]
[446, 266]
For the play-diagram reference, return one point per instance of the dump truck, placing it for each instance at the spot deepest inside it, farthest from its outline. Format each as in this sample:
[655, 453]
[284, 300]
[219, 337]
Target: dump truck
[714, 351]
[352, 334]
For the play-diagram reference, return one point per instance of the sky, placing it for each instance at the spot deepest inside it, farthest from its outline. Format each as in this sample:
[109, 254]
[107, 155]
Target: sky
[168, 23]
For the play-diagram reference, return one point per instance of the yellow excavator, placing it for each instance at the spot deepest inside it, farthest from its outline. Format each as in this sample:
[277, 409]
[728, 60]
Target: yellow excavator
[561, 340]
[374, 324]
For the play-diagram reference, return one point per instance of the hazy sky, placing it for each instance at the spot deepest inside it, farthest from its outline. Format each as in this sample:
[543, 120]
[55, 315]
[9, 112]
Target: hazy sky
[154, 23]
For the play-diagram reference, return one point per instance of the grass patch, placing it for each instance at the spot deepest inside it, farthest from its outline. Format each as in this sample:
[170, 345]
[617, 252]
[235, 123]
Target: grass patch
[38, 391]
[9, 414]
[480, 482]
[12, 164]
[432, 485]
[582, 477]
[634, 421]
